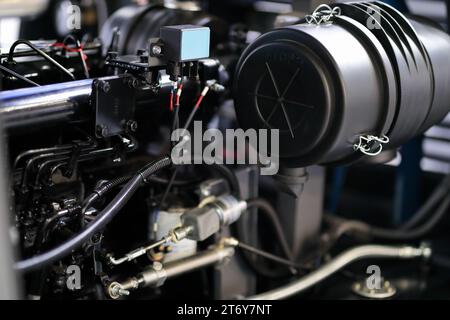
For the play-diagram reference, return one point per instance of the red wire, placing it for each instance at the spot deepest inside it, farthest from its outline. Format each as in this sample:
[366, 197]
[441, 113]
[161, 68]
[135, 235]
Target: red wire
[171, 101]
[70, 49]
[199, 101]
[66, 47]
[179, 95]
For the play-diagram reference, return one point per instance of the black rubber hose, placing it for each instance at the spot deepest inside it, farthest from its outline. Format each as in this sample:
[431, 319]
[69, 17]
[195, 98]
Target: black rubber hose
[104, 217]
[230, 177]
[406, 231]
[418, 232]
[107, 186]
[265, 208]
[178, 183]
[103, 189]
[438, 194]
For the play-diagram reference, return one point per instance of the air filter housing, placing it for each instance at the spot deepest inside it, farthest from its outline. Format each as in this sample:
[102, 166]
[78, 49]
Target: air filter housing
[353, 80]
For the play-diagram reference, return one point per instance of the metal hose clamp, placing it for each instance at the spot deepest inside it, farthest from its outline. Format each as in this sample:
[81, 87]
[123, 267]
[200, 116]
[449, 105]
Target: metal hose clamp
[370, 145]
[323, 14]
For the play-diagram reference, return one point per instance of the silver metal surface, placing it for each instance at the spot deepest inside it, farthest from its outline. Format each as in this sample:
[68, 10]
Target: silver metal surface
[42, 105]
[156, 275]
[342, 260]
[385, 291]
[229, 209]
[139, 251]
[10, 285]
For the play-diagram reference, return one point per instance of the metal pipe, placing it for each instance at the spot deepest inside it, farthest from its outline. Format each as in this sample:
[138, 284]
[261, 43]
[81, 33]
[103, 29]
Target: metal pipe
[157, 274]
[207, 258]
[58, 103]
[342, 260]
[42, 105]
[138, 252]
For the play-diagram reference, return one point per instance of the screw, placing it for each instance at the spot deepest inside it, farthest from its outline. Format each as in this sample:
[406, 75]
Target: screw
[124, 292]
[116, 290]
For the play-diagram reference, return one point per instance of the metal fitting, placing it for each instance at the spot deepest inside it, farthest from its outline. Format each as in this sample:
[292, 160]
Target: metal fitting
[156, 275]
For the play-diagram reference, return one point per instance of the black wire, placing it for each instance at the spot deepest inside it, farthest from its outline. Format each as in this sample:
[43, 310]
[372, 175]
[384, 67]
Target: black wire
[270, 256]
[169, 186]
[103, 218]
[41, 53]
[176, 117]
[18, 76]
[190, 118]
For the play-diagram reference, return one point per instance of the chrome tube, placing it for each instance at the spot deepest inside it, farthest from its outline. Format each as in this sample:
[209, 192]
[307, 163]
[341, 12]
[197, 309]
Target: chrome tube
[43, 105]
[342, 260]
[157, 274]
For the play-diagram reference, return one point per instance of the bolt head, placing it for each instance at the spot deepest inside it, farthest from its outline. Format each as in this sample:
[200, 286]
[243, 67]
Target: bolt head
[132, 125]
[156, 50]
[102, 130]
[106, 87]
[157, 266]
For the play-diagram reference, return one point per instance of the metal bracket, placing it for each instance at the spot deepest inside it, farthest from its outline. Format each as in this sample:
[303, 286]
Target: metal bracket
[115, 100]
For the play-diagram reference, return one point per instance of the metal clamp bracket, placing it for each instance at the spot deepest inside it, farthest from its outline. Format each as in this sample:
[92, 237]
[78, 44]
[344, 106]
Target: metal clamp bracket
[323, 14]
[370, 145]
